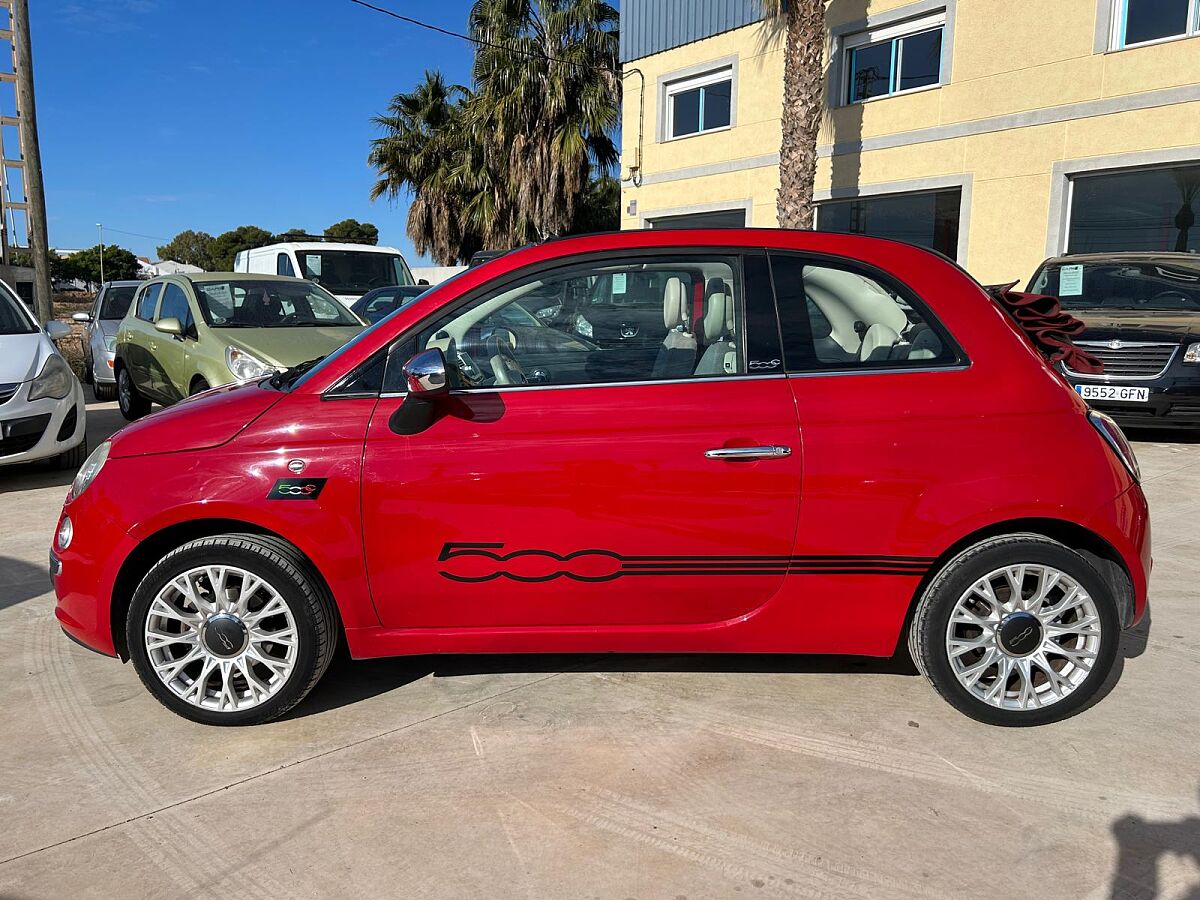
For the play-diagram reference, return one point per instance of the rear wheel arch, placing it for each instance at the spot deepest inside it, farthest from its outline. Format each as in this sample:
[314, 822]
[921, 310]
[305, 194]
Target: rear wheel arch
[1094, 548]
[154, 547]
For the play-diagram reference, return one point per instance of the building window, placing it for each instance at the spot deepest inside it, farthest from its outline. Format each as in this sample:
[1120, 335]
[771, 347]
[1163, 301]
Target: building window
[894, 59]
[1147, 21]
[1139, 209]
[701, 103]
[718, 218]
[929, 218]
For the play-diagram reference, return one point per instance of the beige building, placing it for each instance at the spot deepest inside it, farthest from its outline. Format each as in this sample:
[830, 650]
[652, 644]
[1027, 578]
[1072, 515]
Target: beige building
[998, 132]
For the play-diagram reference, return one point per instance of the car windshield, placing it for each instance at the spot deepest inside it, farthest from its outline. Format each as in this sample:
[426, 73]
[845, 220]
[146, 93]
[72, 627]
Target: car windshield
[377, 304]
[13, 317]
[1150, 285]
[352, 271]
[116, 301]
[268, 304]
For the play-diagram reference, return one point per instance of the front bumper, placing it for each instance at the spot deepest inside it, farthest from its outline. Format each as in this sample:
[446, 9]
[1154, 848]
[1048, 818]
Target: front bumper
[85, 573]
[41, 429]
[1174, 400]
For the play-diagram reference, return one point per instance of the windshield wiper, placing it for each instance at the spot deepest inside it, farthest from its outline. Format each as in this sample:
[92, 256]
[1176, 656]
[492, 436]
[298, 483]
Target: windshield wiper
[287, 377]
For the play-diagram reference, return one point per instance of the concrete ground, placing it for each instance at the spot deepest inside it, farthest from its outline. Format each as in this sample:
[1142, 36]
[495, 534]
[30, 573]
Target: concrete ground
[609, 777]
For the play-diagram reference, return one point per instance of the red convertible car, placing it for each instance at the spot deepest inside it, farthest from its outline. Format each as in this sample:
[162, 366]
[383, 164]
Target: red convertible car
[827, 444]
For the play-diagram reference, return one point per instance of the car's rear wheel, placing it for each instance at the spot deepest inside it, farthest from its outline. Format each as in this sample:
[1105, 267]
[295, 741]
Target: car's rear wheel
[231, 630]
[104, 391]
[133, 404]
[1016, 630]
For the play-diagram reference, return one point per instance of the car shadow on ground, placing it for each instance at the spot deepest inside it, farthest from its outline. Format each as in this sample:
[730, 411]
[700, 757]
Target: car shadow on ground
[1141, 843]
[103, 420]
[1162, 435]
[349, 681]
[21, 581]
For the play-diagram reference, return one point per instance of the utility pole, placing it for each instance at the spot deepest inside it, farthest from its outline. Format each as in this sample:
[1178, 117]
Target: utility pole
[101, 230]
[31, 155]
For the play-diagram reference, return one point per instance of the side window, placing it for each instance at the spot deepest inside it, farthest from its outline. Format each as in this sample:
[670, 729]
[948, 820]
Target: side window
[645, 319]
[283, 265]
[148, 301]
[175, 306]
[840, 318]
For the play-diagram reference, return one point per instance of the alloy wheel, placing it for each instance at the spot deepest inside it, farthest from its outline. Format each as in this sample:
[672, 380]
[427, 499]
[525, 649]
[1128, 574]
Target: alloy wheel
[125, 390]
[1023, 637]
[221, 638]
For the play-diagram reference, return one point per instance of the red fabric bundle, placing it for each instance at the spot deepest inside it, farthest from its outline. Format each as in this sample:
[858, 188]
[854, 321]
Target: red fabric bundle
[1048, 326]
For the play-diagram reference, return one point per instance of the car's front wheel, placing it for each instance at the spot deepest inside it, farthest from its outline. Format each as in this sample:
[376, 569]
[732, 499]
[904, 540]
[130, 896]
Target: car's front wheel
[231, 630]
[133, 404]
[1016, 630]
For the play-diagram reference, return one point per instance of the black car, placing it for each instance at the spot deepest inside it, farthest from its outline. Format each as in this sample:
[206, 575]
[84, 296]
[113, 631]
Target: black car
[378, 303]
[1142, 312]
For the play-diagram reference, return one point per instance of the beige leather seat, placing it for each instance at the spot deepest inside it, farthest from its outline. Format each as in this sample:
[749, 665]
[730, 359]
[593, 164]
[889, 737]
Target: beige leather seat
[677, 355]
[717, 329]
[877, 343]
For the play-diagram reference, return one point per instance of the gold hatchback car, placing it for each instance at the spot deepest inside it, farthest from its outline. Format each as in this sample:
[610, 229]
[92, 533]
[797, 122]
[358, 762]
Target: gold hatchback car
[186, 333]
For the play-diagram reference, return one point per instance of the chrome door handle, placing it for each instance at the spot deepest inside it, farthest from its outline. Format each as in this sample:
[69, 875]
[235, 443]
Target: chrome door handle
[772, 452]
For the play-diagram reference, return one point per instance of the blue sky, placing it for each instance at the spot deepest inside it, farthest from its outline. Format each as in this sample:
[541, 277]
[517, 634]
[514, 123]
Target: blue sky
[162, 115]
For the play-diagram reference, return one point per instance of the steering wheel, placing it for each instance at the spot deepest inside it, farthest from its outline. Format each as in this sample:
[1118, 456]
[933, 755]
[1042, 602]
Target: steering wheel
[505, 367]
[1178, 296]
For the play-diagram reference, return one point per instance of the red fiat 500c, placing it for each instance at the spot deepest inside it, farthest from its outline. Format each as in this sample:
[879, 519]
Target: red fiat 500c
[705, 441]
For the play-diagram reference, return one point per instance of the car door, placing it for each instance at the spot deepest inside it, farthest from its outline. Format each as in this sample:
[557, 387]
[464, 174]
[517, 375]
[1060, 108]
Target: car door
[138, 329]
[173, 353]
[621, 493]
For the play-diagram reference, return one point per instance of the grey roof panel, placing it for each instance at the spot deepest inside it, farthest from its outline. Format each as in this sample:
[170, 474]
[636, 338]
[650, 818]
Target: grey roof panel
[652, 26]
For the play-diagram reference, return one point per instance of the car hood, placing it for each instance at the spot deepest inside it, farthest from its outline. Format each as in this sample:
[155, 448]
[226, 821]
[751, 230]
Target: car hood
[206, 420]
[290, 346]
[23, 355]
[1138, 325]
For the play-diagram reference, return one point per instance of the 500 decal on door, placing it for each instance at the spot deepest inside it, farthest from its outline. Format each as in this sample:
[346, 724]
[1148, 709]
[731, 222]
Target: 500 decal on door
[477, 563]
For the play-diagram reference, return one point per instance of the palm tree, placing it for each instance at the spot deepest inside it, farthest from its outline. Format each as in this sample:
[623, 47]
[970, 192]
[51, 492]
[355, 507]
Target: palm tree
[547, 99]
[424, 141]
[803, 82]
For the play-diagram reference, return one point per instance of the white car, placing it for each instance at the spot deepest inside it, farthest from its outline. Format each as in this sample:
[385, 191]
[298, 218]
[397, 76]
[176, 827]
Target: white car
[41, 400]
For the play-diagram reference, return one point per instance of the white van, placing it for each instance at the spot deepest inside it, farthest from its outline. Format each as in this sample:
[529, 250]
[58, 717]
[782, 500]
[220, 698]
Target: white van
[345, 270]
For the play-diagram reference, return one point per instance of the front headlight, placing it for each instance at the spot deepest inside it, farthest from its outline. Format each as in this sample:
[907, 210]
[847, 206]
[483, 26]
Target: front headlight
[245, 367]
[1192, 353]
[583, 327]
[89, 470]
[53, 381]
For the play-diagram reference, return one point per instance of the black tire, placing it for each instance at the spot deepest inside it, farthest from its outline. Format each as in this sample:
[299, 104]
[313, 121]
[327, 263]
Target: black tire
[133, 404]
[104, 392]
[89, 376]
[928, 632]
[298, 584]
[72, 459]
[198, 385]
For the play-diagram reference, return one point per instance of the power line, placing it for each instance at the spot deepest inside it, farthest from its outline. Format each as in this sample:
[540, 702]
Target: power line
[466, 37]
[152, 237]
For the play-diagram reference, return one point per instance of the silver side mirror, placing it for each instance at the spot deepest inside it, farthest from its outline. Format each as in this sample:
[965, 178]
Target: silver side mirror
[425, 375]
[83, 317]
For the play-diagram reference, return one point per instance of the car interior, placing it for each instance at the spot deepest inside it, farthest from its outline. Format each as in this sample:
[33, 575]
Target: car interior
[854, 319]
[599, 326]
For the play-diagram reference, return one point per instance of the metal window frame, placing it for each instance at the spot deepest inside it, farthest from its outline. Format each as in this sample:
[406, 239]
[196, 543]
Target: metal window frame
[1118, 17]
[847, 43]
[699, 75]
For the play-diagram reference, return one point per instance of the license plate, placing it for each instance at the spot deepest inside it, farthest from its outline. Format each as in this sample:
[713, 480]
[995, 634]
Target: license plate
[1116, 392]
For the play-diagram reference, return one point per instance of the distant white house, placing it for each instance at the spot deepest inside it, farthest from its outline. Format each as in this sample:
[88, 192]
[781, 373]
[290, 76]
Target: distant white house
[168, 267]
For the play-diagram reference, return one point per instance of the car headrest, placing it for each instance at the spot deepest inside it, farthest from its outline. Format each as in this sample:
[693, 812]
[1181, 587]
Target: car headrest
[674, 303]
[717, 310]
[878, 343]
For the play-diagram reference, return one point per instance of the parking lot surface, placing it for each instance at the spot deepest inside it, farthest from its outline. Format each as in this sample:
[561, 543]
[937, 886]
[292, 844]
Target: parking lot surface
[598, 776]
